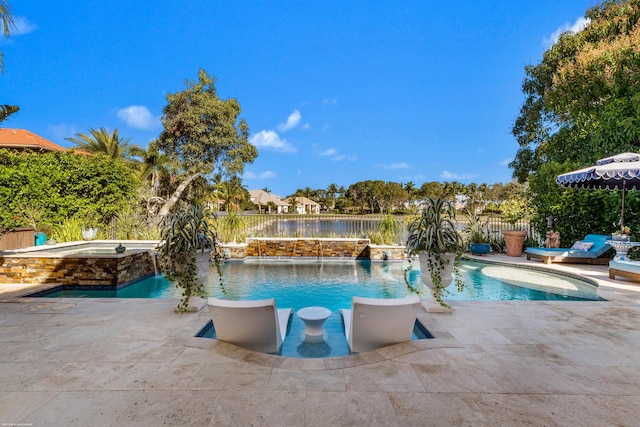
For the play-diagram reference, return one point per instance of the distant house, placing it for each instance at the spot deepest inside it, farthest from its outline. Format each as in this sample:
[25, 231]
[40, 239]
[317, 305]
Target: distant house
[20, 139]
[304, 205]
[267, 201]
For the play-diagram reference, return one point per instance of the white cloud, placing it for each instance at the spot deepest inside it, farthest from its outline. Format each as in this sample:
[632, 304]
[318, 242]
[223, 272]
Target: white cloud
[330, 101]
[580, 24]
[306, 126]
[335, 156]
[139, 117]
[262, 175]
[401, 165]
[505, 162]
[23, 26]
[292, 121]
[456, 176]
[328, 152]
[270, 140]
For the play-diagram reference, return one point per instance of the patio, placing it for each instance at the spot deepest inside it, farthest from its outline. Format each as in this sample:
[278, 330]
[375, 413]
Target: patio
[134, 362]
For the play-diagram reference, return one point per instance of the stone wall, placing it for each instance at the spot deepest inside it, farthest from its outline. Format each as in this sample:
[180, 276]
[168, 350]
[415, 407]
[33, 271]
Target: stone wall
[308, 248]
[386, 253]
[112, 271]
[235, 250]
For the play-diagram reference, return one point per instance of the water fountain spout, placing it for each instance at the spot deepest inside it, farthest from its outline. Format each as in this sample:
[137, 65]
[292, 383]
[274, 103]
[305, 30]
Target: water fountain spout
[154, 255]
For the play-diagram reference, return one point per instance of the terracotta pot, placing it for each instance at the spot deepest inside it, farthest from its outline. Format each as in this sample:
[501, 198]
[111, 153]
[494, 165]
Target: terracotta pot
[514, 241]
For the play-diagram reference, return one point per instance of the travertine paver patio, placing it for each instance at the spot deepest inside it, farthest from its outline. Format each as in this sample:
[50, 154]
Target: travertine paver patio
[86, 362]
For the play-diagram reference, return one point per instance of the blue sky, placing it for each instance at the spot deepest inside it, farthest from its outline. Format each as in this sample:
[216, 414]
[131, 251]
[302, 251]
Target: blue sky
[332, 91]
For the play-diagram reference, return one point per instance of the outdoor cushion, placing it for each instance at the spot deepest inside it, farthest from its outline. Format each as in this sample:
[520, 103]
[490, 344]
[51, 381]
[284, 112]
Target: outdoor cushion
[582, 245]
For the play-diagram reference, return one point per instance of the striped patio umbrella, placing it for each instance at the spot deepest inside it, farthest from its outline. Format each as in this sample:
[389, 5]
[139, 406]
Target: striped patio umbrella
[619, 172]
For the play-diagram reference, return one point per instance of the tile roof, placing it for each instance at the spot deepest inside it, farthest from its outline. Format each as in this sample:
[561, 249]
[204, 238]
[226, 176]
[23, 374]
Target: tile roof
[262, 197]
[20, 138]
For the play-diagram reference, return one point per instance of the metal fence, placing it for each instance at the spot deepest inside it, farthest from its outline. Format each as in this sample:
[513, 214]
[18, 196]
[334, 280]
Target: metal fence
[328, 225]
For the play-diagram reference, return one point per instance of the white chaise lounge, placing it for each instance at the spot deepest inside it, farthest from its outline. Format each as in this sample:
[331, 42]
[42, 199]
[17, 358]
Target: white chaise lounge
[256, 325]
[373, 323]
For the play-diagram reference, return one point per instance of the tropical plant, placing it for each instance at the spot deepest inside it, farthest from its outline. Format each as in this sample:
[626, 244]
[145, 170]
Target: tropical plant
[68, 230]
[388, 231]
[434, 234]
[7, 110]
[476, 230]
[232, 226]
[185, 234]
[101, 141]
[7, 22]
[132, 224]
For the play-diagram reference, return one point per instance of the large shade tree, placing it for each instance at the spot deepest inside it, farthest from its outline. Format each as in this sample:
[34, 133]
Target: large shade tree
[203, 135]
[581, 104]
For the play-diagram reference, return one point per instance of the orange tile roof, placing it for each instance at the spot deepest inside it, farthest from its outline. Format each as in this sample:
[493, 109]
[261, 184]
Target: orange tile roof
[20, 138]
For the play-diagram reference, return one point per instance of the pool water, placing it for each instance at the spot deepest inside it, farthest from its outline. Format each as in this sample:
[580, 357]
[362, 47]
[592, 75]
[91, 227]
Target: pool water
[332, 284]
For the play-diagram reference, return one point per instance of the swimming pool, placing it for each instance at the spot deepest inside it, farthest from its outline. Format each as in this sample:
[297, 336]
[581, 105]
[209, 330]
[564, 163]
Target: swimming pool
[331, 284]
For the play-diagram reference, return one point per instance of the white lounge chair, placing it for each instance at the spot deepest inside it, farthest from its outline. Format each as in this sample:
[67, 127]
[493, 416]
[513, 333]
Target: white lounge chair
[374, 323]
[256, 325]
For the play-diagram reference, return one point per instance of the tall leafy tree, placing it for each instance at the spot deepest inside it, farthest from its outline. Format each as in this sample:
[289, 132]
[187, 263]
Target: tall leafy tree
[202, 135]
[581, 104]
[581, 101]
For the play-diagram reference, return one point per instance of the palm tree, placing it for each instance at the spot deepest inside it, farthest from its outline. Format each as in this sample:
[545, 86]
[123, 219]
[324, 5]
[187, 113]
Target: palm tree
[332, 189]
[411, 190]
[7, 110]
[153, 162]
[100, 141]
[7, 23]
[232, 192]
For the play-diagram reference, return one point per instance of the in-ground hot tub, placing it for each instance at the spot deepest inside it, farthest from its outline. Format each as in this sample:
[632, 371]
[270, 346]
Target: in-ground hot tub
[94, 263]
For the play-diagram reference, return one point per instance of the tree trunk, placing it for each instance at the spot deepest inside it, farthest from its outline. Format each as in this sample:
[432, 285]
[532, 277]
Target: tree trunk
[164, 210]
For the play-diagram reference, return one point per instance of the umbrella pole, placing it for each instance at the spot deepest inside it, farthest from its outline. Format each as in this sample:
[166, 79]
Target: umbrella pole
[624, 191]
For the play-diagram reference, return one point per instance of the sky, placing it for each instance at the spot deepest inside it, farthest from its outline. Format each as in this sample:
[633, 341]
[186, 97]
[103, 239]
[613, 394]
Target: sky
[334, 92]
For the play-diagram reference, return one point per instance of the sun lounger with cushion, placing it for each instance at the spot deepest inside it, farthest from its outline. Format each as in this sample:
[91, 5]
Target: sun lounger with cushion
[588, 251]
